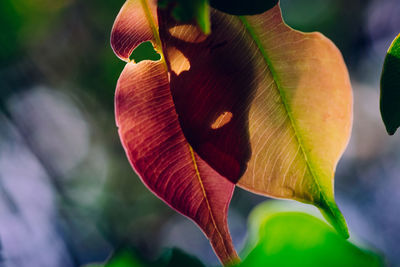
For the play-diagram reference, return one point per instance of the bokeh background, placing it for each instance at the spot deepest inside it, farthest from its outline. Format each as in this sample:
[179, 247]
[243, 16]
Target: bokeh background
[68, 195]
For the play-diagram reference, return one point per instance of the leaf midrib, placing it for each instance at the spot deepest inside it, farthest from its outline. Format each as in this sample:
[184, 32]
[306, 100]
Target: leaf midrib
[282, 95]
[158, 47]
[194, 161]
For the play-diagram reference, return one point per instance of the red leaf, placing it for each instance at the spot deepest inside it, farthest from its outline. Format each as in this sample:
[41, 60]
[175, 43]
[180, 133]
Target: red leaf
[218, 87]
[132, 27]
[158, 151]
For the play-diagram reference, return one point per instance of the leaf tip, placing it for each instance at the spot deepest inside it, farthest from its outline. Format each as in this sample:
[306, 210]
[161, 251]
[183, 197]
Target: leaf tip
[391, 130]
[335, 217]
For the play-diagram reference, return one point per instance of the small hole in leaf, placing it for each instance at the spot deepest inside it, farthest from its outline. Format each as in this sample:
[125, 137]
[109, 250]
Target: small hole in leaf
[222, 120]
[178, 62]
[145, 51]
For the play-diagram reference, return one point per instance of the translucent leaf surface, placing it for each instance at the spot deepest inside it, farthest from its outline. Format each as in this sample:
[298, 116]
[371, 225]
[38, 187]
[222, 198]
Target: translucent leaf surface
[287, 97]
[154, 142]
[263, 105]
[177, 258]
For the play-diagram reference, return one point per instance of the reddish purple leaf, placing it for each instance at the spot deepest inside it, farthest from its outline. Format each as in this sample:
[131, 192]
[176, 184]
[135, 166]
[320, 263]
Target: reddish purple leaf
[155, 145]
[159, 153]
[132, 27]
[219, 81]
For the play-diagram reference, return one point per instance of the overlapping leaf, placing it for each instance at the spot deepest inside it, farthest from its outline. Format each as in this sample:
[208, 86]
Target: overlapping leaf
[262, 105]
[284, 98]
[390, 88]
[153, 140]
[186, 11]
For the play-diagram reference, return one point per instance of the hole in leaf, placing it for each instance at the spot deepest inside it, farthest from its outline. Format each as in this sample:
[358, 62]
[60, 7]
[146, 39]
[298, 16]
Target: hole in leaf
[222, 120]
[178, 61]
[145, 51]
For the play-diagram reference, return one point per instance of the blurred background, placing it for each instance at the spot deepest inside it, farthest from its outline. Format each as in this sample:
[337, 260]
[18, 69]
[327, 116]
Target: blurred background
[68, 195]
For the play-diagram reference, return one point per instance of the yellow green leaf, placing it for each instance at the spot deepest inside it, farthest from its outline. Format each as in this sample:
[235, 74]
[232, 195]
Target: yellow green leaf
[300, 120]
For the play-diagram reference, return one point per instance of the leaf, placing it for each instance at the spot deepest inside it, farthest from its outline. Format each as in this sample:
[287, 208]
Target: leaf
[266, 106]
[287, 237]
[243, 7]
[390, 88]
[128, 257]
[177, 258]
[127, 33]
[124, 257]
[154, 142]
[145, 51]
[187, 11]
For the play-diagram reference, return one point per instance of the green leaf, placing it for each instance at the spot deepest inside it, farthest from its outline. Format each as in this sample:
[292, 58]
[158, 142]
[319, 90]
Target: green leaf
[390, 88]
[261, 104]
[127, 257]
[121, 258]
[124, 258]
[145, 51]
[193, 10]
[282, 236]
[178, 258]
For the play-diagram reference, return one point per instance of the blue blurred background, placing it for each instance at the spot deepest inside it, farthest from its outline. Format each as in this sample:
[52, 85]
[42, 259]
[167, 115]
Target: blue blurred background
[68, 195]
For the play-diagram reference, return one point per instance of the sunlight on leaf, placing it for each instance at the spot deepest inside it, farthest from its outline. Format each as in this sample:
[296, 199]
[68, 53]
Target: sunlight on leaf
[291, 238]
[222, 120]
[256, 102]
[150, 132]
[179, 62]
[290, 98]
[180, 30]
[390, 88]
[154, 143]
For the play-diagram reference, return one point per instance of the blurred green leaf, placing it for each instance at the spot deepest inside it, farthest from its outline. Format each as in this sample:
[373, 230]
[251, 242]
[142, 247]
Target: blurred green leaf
[193, 10]
[279, 237]
[243, 7]
[26, 22]
[121, 258]
[173, 257]
[177, 258]
[199, 10]
[124, 258]
[390, 88]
